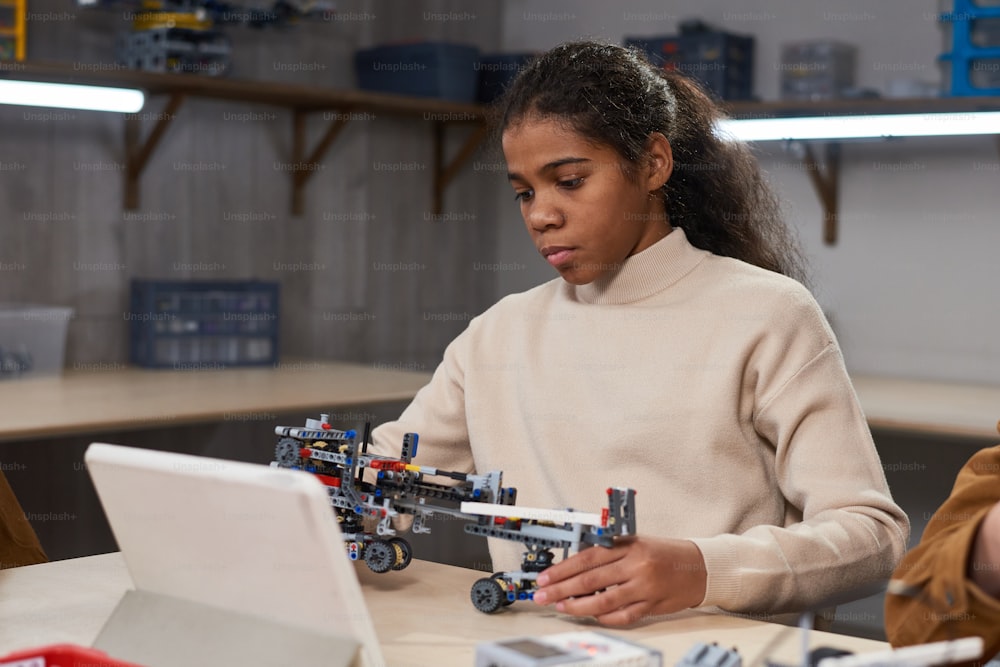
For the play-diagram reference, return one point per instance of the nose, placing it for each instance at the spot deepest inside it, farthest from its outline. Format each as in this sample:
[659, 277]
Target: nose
[542, 215]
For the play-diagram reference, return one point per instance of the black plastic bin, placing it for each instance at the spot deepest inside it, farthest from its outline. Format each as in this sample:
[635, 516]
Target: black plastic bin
[425, 69]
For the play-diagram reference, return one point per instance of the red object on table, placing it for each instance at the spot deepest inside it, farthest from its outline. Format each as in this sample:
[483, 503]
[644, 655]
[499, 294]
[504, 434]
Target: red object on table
[62, 655]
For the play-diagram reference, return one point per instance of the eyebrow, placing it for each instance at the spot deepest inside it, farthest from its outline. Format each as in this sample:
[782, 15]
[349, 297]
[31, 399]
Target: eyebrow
[513, 176]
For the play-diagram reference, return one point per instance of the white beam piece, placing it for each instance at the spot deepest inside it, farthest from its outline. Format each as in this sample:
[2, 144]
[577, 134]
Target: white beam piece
[532, 513]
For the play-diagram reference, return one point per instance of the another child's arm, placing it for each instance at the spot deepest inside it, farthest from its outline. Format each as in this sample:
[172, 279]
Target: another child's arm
[944, 585]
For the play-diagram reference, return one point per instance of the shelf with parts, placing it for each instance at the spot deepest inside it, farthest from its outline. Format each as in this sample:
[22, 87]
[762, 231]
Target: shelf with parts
[821, 158]
[301, 100]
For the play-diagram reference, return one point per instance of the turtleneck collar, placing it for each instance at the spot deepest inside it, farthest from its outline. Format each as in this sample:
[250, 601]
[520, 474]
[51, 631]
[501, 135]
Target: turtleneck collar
[644, 274]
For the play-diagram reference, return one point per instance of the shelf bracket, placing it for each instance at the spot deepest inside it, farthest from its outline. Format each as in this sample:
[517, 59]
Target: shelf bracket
[444, 173]
[138, 152]
[825, 179]
[303, 167]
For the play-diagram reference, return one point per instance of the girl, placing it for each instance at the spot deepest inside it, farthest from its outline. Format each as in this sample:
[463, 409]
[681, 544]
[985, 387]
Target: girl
[674, 354]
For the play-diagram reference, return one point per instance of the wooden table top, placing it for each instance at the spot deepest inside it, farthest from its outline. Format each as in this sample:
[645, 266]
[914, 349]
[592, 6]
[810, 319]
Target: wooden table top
[93, 401]
[930, 407]
[422, 615]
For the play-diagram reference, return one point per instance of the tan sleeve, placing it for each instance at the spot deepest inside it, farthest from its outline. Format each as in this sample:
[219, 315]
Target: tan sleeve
[437, 415]
[18, 542]
[850, 533]
[935, 600]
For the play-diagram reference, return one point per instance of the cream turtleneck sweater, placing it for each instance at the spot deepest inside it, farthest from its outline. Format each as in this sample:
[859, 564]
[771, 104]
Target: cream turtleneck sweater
[714, 388]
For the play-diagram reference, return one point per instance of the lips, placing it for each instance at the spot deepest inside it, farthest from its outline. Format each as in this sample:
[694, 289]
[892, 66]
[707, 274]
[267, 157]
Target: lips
[557, 255]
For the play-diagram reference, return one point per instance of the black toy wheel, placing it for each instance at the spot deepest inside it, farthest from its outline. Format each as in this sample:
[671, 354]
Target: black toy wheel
[380, 556]
[286, 452]
[500, 580]
[403, 552]
[487, 595]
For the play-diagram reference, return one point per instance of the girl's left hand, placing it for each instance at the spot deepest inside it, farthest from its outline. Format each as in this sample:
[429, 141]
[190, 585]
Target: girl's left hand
[621, 585]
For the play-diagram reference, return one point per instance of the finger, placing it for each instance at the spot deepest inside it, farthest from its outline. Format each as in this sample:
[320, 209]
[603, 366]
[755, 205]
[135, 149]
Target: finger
[600, 603]
[629, 614]
[578, 563]
[584, 583]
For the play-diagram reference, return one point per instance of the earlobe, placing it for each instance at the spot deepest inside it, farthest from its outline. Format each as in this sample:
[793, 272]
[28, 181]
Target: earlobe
[661, 161]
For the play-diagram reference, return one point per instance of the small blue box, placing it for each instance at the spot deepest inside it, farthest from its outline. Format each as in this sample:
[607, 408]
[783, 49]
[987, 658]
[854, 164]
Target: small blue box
[497, 71]
[972, 66]
[206, 324]
[425, 69]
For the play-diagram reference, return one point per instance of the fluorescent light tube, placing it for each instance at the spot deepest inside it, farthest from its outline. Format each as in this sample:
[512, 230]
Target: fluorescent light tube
[71, 96]
[861, 127]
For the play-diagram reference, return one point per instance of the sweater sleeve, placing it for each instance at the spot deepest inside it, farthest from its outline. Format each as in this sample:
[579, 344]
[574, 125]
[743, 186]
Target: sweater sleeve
[437, 415]
[936, 600]
[843, 533]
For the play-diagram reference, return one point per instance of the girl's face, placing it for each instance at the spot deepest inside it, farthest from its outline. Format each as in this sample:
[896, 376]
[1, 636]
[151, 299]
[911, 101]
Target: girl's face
[584, 214]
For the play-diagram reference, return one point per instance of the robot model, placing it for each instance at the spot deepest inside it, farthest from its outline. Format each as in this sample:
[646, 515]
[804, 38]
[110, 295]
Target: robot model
[391, 487]
[542, 530]
[368, 492]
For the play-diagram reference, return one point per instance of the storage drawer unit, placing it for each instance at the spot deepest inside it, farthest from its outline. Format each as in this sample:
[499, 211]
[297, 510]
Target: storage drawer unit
[722, 62]
[972, 65]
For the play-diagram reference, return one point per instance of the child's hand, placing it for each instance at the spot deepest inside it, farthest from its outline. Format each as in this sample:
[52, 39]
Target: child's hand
[635, 578]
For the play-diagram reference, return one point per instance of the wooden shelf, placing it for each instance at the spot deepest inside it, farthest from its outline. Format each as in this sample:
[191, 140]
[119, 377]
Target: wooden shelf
[301, 100]
[272, 93]
[823, 167]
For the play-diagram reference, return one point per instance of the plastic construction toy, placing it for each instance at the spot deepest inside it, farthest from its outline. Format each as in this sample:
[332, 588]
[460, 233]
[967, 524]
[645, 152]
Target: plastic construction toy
[542, 530]
[392, 488]
[710, 655]
[369, 491]
[182, 36]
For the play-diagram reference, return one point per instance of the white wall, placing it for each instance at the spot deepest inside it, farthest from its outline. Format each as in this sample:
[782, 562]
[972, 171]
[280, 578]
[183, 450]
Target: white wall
[911, 285]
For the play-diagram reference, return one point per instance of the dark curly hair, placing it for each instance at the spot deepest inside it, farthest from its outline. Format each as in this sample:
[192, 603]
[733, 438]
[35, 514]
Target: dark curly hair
[613, 95]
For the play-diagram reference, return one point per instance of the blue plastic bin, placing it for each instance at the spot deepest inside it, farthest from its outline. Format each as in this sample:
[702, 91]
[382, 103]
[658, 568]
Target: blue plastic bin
[207, 324]
[971, 68]
[426, 69]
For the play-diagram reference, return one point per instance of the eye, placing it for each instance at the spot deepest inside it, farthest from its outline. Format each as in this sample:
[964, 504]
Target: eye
[523, 195]
[571, 183]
